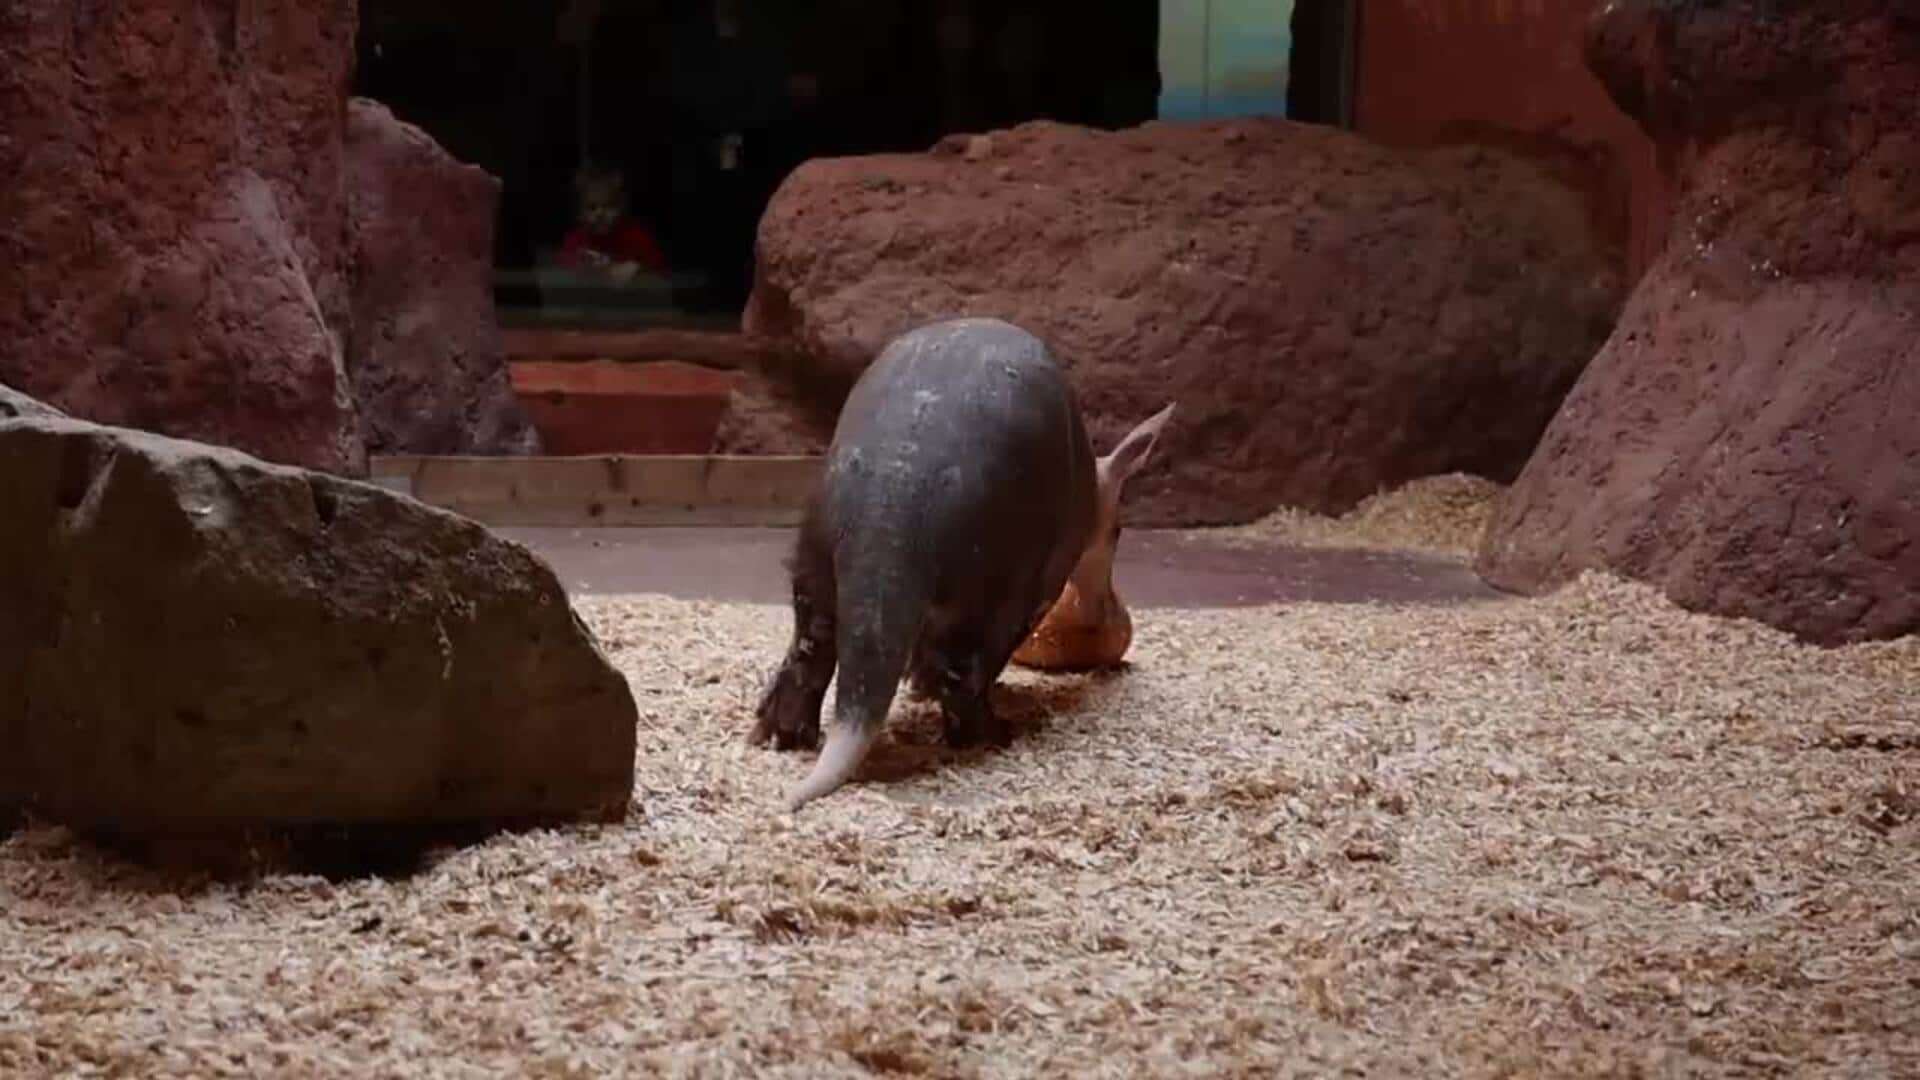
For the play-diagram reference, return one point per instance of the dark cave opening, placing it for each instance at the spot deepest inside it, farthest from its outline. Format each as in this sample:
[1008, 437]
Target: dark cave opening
[702, 107]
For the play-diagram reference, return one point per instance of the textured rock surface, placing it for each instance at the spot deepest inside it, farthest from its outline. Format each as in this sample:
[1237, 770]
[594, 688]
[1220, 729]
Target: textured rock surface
[1746, 440]
[763, 418]
[425, 353]
[15, 405]
[172, 219]
[191, 638]
[1331, 316]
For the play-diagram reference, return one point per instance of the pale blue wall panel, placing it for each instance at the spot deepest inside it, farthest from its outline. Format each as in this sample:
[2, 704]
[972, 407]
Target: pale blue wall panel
[1224, 58]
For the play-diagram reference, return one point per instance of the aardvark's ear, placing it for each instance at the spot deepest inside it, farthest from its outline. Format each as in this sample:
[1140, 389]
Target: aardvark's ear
[1133, 450]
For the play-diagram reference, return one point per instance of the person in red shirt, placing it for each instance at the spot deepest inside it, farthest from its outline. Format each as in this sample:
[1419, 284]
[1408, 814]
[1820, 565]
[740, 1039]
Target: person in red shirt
[607, 238]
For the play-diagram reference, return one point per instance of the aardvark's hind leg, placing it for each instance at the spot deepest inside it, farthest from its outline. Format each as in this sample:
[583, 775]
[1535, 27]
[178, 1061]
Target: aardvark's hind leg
[789, 711]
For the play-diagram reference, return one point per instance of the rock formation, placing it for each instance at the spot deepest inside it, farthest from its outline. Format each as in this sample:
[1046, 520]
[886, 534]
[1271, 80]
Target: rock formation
[1746, 439]
[180, 253]
[1333, 317]
[15, 405]
[194, 639]
[173, 253]
[425, 352]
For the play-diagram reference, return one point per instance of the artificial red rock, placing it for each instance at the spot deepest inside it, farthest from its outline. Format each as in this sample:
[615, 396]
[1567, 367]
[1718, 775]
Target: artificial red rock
[173, 251]
[1332, 317]
[425, 351]
[1746, 440]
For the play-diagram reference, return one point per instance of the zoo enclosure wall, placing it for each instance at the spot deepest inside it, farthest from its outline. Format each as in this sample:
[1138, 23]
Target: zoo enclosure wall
[1510, 73]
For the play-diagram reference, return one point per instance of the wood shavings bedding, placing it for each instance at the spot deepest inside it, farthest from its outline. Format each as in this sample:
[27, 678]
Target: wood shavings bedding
[1585, 834]
[1443, 515]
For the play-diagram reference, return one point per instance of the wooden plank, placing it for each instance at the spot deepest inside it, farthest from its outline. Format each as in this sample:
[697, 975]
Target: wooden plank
[609, 490]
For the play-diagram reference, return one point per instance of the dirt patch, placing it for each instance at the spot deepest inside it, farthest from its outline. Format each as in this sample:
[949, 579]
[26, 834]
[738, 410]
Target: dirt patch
[1576, 835]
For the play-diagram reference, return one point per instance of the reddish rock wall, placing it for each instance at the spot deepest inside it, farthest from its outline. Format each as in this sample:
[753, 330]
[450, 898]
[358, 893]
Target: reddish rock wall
[1746, 440]
[1510, 73]
[425, 353]
[172, 254]
[1332, 317]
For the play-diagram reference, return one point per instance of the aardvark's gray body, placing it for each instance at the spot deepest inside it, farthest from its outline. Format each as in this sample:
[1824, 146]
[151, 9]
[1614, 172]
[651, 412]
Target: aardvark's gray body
[959, 494]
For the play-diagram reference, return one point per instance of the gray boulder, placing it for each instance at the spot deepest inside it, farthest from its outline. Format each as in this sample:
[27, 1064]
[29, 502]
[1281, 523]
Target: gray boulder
[15, 405]
[194, 639]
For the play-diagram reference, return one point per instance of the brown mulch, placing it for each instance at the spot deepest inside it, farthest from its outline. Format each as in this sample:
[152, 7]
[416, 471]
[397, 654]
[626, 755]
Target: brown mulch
[1588, 834]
